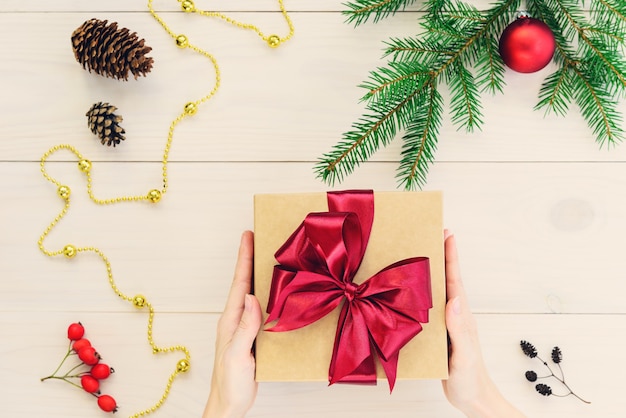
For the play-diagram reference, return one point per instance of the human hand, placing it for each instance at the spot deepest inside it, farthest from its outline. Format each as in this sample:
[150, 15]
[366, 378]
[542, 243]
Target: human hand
[233, 388]
[468, 387]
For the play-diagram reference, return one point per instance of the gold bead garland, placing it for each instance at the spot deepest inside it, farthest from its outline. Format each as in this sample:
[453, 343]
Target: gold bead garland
[153, 196]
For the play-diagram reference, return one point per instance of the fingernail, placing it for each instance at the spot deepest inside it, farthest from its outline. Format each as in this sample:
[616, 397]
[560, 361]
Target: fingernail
[446, 234]
[456, 305]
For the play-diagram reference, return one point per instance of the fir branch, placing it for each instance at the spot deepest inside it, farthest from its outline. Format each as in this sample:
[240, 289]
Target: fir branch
[385, 82]
[361, 10]
[403, 95]
[489, 66]
[598, 108]
[461, 37]
[592, 76]
[493, 16]
[453, 11]
[373, 130]
[420, 141]
[410, 49]
[610, 13]
[575, 17]
[556, 93]
[465, 102]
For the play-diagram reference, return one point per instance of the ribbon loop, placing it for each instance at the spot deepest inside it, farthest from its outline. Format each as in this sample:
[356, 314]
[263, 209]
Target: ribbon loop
[378, 317]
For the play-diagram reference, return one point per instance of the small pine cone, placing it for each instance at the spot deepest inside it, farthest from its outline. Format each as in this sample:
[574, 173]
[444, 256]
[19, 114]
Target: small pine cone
[105, 124]
[110, 51]
[557, 356]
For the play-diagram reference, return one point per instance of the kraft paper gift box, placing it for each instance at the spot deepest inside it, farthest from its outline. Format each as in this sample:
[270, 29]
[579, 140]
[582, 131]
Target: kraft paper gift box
[405, 225]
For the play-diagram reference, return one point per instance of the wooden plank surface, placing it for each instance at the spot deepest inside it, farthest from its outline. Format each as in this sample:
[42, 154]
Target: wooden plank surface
[537, 208]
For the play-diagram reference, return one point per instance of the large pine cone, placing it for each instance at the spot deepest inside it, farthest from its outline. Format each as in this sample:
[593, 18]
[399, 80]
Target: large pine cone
[104, 123]
[109, 51]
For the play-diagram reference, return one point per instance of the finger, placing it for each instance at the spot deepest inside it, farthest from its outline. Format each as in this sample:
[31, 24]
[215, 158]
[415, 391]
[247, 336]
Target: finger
[463, 335]
[248, 328]
[459, 321]
[454, 285]
[457, 314]
[242, 279]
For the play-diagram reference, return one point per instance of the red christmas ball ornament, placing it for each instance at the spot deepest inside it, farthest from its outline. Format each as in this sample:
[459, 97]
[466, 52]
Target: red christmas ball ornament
[527, 45]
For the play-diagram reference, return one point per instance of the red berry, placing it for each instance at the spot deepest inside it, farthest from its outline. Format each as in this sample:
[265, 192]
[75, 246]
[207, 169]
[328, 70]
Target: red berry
[88, 355]
[107, 403]
[89, 383]
[101, 371]
[75, 331]
[83, 342]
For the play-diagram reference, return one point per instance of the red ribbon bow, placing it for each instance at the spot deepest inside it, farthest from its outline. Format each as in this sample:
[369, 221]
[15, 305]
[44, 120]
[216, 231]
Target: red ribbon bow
[317, 265]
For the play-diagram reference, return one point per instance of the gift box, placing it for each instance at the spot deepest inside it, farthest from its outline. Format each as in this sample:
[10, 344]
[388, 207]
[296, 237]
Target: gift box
[351, 285]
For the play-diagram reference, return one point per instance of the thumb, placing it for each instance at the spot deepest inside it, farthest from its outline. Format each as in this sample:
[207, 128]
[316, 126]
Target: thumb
[249, 325]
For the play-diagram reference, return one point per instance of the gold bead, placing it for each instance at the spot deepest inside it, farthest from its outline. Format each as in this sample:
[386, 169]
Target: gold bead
[191, 108]
[139, 301]
[183, 366]
[187, 6]
[154, 195]
[64, 192]
[182, 41]
[69, 251]
[273, 41]
[156, 350]
[84, 166]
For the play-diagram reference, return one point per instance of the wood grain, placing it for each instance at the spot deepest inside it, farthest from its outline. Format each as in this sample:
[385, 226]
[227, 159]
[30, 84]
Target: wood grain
[537, 209]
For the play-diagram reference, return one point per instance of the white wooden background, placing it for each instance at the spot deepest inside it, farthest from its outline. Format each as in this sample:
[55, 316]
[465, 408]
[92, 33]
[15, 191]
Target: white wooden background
[538, 209]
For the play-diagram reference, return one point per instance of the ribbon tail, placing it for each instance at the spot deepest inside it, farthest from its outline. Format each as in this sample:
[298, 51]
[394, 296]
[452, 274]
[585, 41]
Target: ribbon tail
[391, 367]
[352, 360]
[364, 374]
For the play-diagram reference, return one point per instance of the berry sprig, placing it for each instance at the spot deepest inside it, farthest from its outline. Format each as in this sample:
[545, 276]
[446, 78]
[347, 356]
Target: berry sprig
[557, 356]
[89, 372]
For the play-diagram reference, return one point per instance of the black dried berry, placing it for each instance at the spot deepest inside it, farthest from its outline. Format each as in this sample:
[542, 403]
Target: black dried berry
[531, 376]
[528, 349]
[557, 356]
[543, 389]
